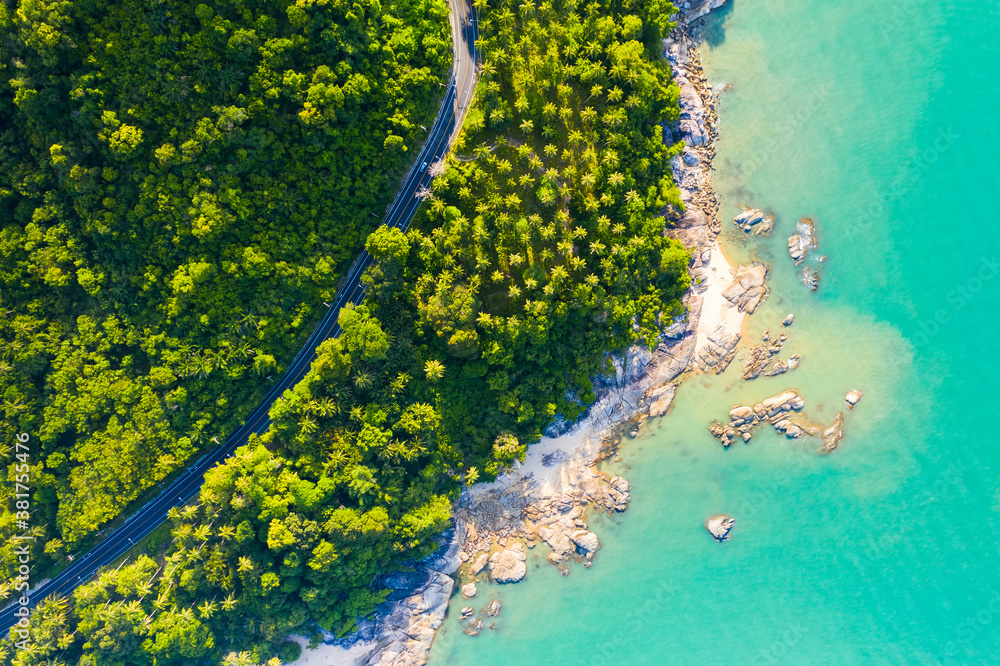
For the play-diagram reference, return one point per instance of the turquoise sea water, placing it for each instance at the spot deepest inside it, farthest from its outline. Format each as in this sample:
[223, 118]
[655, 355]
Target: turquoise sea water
[879, 120]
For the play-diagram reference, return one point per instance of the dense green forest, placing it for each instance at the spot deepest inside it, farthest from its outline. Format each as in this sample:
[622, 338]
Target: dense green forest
[539, 249]
[180, 187]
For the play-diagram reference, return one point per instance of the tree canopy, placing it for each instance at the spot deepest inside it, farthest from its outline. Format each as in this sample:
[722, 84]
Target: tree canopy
[181, 185]
[538, 251]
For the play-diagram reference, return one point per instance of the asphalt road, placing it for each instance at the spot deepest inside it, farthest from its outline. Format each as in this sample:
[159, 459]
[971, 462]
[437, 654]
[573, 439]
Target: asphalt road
[399, 214]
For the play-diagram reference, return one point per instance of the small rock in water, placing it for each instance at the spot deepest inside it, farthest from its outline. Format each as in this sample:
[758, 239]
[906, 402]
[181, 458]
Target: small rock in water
[833, 434]
[788, 320]
[803, 241]
[853, 397]
[810, 278]
[467, 612]
[779, 368]
[469, 590]
[493, 609]
[797, 248]
[719, 526]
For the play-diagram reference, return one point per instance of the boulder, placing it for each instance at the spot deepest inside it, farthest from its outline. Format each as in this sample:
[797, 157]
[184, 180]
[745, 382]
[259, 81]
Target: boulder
[586, 541]
[479, 564]
[748, 289]
[719, 349]
[719, 526]
[467, 612]
[509, 566]
[662, 397]
[778, 403]
[618, 494]
[741, 414]
[692, 132]
[788, 320]
[779, 368]
[691, 103]
[798, 247]
[748, 218]
[493, 609]
[469, 590]
[853, 397]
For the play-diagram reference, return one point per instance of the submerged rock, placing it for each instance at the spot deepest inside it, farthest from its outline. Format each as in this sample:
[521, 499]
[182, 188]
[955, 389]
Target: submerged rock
[493, 609]
[719, 526]
[833, 434]
[760, 355]
[853, 397]
[810, 278]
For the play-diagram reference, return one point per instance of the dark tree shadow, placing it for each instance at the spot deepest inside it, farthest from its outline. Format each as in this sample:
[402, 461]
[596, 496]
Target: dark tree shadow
[713, 31]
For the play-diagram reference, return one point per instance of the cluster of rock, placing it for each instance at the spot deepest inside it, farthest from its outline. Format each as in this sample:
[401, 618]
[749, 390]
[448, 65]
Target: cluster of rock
[754, 219]
[832, 435]
[720, 526]
[745, 293]
[779, 411]
[776, 410]
[800, 245]
[496, 547]
[696, 127]
[472, 623]
[759, 358]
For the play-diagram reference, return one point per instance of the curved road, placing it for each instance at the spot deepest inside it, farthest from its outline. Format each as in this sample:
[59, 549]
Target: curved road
[181, 491]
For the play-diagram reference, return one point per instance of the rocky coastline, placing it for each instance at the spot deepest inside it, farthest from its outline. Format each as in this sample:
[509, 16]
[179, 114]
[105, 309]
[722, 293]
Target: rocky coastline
[547, 502]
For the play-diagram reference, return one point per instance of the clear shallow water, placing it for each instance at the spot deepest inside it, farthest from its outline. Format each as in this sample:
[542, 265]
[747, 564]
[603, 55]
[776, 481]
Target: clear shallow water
[878, 120]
